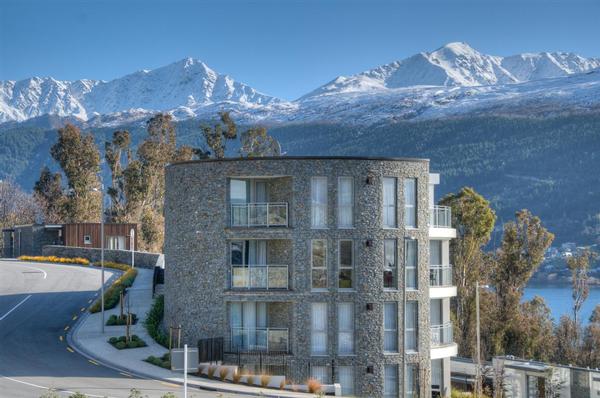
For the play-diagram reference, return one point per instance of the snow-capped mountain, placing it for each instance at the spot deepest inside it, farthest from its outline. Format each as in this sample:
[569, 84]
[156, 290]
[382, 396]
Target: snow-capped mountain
[458, 64]
[454, 79]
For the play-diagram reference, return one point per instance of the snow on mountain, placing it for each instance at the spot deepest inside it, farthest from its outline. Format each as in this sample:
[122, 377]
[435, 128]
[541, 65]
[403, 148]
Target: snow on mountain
[458, 64]
[450, 80]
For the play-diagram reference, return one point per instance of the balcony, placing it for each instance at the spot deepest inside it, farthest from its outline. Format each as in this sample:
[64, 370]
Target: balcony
[270, 214]
[440, 275]
[259, 277]
[259, 339]
[441, 335]
[440, 217]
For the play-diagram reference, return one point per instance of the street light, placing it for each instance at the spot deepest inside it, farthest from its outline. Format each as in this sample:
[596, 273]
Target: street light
[478, 370]
[101, 190]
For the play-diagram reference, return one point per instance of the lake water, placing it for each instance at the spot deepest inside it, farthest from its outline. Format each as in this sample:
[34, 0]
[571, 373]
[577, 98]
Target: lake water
[559, 299]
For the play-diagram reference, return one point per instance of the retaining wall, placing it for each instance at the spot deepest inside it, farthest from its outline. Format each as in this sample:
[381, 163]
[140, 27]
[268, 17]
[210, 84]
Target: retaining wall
[142, 259]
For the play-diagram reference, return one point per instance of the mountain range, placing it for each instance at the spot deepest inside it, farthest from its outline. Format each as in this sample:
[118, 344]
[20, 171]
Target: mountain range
[523, 130]
[451, 80]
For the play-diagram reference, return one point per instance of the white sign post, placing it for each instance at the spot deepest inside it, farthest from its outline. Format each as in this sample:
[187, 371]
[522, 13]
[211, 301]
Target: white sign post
[185, 370]
[132, 246]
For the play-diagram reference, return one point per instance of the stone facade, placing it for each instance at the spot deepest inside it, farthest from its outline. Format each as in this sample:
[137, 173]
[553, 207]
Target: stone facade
[198, 232]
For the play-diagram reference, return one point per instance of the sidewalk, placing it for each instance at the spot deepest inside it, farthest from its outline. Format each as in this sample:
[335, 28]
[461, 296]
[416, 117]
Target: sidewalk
[86, 337]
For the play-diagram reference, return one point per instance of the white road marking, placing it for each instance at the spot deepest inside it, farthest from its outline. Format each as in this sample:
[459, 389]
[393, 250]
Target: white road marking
[15, 307]
[37, 269]
[49, 388]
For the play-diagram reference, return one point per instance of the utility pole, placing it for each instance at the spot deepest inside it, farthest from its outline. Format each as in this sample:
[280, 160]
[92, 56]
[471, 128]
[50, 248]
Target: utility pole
[477, 376]
[102, 251]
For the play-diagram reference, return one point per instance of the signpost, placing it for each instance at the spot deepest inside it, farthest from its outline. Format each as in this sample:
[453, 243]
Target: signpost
[132, 246]
[185, 359]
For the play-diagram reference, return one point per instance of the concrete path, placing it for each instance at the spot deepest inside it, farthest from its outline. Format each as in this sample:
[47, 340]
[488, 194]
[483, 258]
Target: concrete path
[88, 339]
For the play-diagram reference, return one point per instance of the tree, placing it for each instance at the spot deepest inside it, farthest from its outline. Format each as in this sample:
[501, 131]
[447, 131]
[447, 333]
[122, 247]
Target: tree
[113, 151]
[554, 383]
[16, 207]
[591, 341]
[49, 195]
[567, 342]
[474, 221]
[579, 266]
[256, 142]
[216, 137]
[524, 243]
[79, 159]
[532, 333]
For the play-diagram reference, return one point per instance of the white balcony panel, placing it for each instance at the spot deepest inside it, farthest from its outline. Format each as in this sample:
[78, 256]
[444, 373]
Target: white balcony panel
[442, 233]
[447, 351]
[442, 292]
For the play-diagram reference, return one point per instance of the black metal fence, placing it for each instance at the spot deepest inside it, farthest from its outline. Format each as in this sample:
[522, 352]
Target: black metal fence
[259, 362]
[210, 350]
[157, 278]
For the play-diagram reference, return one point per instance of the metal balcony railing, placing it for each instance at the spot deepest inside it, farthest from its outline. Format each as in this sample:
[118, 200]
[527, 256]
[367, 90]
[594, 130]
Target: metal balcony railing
[259, 214]
[259, 339]
[440, 275]
[441, 335]
[440, 217]
[259, 276]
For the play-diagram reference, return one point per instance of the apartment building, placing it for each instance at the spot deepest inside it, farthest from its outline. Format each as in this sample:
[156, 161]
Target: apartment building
[338, 264]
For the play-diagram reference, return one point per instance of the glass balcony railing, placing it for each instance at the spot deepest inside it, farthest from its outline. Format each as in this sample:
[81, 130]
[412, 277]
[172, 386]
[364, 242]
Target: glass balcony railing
[440, 275]
[260, 339]
[259, 276]
[440, 217]
[259, 214]
[441, 335]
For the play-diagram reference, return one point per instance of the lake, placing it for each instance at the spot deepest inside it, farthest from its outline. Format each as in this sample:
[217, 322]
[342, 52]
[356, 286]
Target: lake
[559, 299]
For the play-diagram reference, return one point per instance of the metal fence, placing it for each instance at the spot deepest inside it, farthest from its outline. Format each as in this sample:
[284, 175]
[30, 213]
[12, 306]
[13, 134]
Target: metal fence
[440, 217]
[440, 275]
[210, 350]
[441, 334]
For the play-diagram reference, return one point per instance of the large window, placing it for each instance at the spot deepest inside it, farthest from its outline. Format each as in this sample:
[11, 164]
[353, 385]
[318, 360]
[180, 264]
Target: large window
[318, 196]
[437, 375]
[412, 381]
[345, 328]
[411, 328]
[390, 267]
[390, 381]
[345, 202]
[319, 263]
[411, 264]
[318, 344]
[346, 380]
[389, 202]
[390, 326]
[435, 252]
[410, 202]
[346, 264]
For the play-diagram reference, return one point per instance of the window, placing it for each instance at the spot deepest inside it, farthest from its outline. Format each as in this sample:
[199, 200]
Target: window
[319, 329]
[412, 381]
[532, 387]
[238, 191]
[411, 329]
[345, 202]
[346, 263]
[115, 242]
[390, 326]
[390, 266]
[346, 379]
[437, 375]
[435, 252]
[389, 202]
[319, 264]
[411, 264]
[345, 328]
[248, 259]
[319, 373]
[87, 240]
[410, 202]
[318, 195]
[390, 381]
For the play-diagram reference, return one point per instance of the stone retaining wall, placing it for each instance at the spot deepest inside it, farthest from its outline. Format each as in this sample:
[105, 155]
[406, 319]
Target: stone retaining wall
[142, 259]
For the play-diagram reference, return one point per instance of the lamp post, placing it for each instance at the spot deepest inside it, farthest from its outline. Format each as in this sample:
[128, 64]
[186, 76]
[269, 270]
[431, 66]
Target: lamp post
[478, 369]
[101, 190]
[132, 246]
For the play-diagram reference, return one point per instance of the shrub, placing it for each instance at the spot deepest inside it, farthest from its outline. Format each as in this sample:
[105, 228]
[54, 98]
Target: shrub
[236, 377]
[211, 371]
[264, 380]
[163, 362]
[78, 395]
[120, 342]
[117, 320]
[113, 265]
[250, 379]
[153, 320]
[55, 259]
[113, 293]
[223, 372]
[314, 386]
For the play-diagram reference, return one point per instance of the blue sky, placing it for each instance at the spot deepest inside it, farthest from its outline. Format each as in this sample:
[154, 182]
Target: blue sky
[281, 47]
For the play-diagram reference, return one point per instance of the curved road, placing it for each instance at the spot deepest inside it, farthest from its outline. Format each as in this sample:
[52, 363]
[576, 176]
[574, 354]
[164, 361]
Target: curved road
[38, 304]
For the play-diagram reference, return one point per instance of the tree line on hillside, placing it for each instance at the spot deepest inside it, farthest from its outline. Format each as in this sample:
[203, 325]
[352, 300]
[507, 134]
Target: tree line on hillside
[136, 191]
[509, 325]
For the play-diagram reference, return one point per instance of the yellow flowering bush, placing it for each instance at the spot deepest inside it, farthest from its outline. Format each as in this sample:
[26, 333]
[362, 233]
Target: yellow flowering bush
[55, 259]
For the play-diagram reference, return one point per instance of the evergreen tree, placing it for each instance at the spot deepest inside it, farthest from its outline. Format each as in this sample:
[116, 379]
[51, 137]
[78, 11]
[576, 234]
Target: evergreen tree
[49, 195]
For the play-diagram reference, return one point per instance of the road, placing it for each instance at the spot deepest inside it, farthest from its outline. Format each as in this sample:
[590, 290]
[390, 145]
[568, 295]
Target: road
[38, 304]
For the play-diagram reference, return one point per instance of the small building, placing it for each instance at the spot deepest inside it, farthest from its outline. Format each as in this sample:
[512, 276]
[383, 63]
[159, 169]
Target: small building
[29, 239]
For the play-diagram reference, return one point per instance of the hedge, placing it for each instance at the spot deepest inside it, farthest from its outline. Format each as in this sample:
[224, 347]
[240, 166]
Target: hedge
[113, 293]
[153, 321]
[55, 259]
